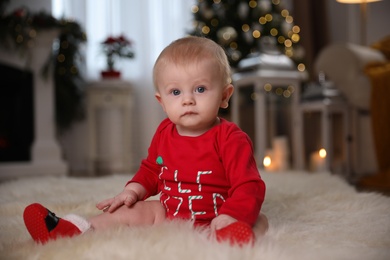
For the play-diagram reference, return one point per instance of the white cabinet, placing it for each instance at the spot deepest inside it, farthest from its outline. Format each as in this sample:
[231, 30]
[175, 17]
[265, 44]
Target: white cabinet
[110, 123]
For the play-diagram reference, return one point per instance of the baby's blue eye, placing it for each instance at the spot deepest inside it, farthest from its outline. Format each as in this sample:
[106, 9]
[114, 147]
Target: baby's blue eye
[200, 89]
[176, 92]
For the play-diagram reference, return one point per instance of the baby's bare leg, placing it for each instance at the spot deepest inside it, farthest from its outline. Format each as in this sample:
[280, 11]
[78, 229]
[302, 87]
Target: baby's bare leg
[261, 226]
[141, 213]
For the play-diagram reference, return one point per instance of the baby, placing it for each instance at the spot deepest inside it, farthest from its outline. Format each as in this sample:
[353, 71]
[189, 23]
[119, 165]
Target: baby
[202, 166]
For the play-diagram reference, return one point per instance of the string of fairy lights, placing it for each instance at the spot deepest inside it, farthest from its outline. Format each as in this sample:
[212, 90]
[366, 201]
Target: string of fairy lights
[234, 24]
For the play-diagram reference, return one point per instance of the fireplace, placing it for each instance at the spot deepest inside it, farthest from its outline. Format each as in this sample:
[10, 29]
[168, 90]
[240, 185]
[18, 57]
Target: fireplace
[16, 114]
[41, 153]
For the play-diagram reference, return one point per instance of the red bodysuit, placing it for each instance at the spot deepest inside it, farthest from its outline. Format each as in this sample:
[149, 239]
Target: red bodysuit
[202, 177]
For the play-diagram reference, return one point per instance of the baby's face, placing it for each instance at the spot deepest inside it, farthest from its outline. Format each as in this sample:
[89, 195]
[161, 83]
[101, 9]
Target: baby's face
[191, 96]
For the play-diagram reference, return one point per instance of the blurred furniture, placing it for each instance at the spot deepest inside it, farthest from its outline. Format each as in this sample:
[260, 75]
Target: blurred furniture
[109, 106]
[379, 74]
[265, 73]
[344, 64]
[329, 109]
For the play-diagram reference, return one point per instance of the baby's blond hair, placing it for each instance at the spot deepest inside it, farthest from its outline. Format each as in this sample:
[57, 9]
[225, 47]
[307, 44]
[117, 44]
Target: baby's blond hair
[191, 49]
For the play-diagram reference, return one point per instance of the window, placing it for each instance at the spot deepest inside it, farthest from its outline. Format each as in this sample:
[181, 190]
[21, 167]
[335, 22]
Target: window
[150, 24]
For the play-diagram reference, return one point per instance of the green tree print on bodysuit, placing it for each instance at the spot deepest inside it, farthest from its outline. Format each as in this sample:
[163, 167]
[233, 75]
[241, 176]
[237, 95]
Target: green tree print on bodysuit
[159, 160]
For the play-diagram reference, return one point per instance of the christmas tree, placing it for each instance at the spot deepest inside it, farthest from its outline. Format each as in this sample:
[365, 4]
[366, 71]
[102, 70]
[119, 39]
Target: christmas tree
[241, 27]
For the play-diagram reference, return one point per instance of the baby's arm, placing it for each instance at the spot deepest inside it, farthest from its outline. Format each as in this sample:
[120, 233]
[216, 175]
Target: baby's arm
[132, 193]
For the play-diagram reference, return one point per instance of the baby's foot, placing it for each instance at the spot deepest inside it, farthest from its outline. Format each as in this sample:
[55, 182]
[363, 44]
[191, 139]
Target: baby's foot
[237, 233]
[43, 225]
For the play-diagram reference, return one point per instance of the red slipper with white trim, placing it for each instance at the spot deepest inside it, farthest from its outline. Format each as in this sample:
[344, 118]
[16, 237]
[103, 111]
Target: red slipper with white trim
[238, 233]
[43, 225]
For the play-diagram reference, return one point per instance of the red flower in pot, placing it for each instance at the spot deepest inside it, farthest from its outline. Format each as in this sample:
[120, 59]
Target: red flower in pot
[114, 48]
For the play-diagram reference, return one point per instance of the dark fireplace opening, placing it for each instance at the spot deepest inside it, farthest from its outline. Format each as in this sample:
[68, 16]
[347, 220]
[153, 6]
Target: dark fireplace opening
[16, 114]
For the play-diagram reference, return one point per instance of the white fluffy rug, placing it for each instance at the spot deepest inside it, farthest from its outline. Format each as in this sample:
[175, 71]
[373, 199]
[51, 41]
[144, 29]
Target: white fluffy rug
[312, 216]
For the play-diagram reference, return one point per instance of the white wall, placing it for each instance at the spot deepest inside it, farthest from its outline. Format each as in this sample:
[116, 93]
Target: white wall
[344, 21]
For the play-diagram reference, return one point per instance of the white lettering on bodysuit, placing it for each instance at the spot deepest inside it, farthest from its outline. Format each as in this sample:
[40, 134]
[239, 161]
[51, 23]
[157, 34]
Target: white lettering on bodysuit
[159, 176]
[215, 196]
[179, 185]
[200, 173]
[194, 213]
[192, 198]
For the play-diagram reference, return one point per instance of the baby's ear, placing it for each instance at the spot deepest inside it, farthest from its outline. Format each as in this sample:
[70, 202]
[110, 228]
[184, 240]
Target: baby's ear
[158, 97]
[226, 95]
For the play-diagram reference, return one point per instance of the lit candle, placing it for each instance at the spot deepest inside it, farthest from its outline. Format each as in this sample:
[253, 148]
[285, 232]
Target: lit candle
[268, 161]
[322, 153]
[317, 160]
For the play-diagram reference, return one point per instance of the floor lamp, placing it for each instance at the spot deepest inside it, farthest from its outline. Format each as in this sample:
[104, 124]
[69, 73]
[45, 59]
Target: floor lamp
[363, 16]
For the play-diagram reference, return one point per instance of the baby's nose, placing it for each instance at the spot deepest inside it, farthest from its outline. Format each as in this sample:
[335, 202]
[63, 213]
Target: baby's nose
[188, 99]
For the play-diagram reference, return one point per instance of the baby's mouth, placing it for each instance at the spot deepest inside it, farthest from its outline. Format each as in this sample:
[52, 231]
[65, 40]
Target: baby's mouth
[189, 113]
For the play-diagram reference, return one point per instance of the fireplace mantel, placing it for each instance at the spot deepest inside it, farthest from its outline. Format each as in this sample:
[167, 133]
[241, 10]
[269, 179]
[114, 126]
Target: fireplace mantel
[46, 156]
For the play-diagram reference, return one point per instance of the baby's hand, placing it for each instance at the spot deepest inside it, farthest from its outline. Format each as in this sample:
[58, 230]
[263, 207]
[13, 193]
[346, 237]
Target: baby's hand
[126, 197]
[221, 221]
